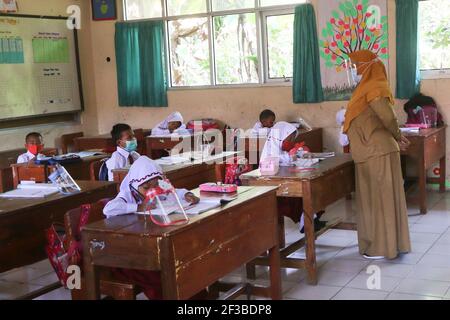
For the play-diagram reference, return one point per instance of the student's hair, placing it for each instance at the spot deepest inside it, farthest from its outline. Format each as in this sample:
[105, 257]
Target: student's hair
[266, 114]
[33, 134]
[117, 130]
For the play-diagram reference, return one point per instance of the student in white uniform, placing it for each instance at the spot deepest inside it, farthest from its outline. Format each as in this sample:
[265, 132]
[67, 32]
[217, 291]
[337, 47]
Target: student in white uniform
[34, 145]
[266, 122]
[172, 124]
[126, 154]
[340, 120]
[143, 175]
[281, 140]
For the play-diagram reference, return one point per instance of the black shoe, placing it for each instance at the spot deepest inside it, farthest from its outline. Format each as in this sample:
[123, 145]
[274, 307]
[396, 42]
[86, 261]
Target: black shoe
[318, 225]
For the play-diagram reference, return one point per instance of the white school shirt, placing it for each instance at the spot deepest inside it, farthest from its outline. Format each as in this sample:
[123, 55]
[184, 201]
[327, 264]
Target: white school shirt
[165, 132]
[259, 130]
[120, 206]
[27, 156]
[119, 160]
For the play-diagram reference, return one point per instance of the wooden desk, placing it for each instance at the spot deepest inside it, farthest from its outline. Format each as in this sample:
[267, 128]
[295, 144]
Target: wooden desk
[334, 179]
[157, 146]
[9, 157]
[313, 139]
[23, 221]
[80, 170]
[193, 256]
[427, 148]
[187, 175]
[103, 142]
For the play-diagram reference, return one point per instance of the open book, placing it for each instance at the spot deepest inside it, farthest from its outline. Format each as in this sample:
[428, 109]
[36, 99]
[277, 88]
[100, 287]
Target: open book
[31, 190]
[191, 209]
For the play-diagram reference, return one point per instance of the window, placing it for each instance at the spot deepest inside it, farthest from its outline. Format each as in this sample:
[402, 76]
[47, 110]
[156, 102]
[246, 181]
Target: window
[143, 9]
[280, 46]
[235, 46]
[434, 37]
[183, 7]
[222, 5]
[189, 52]
[223, 42]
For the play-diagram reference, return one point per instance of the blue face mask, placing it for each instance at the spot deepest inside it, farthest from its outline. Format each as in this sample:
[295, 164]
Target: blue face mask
[131, 145]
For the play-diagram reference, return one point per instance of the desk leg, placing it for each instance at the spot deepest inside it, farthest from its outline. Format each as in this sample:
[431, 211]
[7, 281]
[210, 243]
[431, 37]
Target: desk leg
[422, 186]
[91, 277]
[442, 169]
[275, 273]
[311, 265]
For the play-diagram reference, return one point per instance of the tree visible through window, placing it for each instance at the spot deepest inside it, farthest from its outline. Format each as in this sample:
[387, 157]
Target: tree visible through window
[280, 45]
[236, 49]
[189, 52]
[434, 35]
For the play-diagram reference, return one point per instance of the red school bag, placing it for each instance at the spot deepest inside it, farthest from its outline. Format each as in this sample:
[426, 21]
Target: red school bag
[64, 250]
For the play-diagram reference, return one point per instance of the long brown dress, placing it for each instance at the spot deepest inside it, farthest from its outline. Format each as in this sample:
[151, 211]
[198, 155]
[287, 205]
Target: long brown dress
[382, 217]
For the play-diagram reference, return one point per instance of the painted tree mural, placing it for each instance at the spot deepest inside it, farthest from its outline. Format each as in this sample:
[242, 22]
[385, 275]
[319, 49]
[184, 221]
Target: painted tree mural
[353, 25]
[353, 28]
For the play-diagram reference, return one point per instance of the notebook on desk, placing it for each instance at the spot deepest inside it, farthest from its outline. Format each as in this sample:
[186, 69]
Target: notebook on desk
[31, 190]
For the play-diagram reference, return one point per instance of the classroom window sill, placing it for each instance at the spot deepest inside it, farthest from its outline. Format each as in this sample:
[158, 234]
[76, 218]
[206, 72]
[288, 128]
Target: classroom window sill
[435, 74]
[235, 86]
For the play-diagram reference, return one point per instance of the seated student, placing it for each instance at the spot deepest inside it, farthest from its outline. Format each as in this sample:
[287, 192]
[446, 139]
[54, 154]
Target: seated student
[126, 153]
[266, 122]
[34, 145]
[343, 138]
[282, 139]
[144, 174]
[172, 124]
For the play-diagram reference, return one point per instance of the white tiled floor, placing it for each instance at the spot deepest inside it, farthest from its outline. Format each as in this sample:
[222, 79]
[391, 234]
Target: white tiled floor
[424, 274]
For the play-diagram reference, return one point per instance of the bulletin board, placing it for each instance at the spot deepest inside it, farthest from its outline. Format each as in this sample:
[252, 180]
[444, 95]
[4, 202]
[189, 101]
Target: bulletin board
[39, 67]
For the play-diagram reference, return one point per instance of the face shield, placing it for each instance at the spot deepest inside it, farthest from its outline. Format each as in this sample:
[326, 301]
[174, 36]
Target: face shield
[353, 77]
[164, 206]
[352, 73]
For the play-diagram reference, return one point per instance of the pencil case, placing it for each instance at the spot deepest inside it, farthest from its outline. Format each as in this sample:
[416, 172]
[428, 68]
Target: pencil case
[221, 188]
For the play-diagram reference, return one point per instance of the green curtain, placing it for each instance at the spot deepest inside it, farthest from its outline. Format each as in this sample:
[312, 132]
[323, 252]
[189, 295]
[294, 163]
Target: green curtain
[140, 64]
[408, 73]
[307, 83]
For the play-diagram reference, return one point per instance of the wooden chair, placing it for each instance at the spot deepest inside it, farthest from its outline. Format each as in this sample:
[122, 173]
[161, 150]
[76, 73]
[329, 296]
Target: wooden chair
[110, 287]
[67, 140]
[27, 172]
[140, 137]
[94, 169]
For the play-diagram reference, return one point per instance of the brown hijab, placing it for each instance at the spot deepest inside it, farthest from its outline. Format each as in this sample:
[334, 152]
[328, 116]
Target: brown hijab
[373, 85]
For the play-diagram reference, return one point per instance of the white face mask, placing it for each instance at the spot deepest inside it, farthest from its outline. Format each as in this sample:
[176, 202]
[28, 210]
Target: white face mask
[355, 76]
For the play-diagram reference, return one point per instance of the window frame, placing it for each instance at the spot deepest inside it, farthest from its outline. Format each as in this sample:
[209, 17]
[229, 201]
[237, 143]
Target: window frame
[432, 74]
[265, 45]
[261, 33]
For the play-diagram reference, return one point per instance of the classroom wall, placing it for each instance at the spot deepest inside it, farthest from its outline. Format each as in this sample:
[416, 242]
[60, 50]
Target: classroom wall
[14, 138]
[239, 107]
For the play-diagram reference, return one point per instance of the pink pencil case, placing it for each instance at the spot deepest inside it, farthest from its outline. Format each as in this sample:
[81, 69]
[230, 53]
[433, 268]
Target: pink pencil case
[418, 125]
[221, 188]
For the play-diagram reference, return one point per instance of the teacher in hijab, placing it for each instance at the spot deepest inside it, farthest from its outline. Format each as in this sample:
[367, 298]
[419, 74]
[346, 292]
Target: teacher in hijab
[375, 142]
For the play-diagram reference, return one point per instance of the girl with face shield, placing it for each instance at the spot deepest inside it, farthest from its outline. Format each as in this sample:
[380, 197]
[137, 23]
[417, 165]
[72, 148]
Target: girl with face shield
[375, 143]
